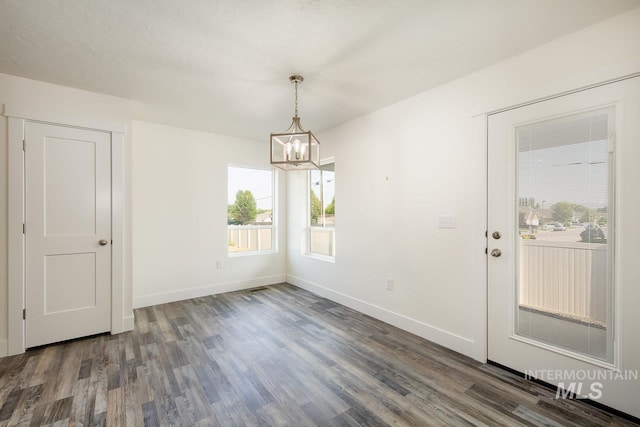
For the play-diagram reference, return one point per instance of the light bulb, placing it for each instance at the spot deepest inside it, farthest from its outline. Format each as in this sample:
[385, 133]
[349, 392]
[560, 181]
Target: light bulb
[296, 147]
[288, 150]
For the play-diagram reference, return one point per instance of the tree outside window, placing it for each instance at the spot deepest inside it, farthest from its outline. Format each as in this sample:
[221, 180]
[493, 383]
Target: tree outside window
[250, 210]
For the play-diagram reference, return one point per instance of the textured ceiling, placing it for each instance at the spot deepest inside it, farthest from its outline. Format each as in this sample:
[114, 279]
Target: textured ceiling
[223, 65]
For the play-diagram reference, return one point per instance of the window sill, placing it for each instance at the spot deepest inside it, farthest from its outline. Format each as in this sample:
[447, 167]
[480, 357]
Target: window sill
[249, 253]
[325, 258]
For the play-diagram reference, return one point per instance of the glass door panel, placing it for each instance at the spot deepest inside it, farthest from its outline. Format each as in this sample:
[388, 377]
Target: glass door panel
[564, 229]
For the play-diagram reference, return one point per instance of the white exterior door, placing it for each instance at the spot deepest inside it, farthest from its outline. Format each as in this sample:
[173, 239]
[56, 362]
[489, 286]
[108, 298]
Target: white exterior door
[563, 233]
[67, 232]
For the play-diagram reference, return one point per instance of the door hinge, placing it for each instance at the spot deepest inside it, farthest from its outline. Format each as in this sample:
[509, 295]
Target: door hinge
[24, 314]
[486, 251]
[24, 228]
[24, 145]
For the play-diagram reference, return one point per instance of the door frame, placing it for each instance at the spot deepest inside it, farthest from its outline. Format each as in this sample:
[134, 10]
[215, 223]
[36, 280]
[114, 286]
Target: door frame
[480, 241]
[18, 116]
[620, 270]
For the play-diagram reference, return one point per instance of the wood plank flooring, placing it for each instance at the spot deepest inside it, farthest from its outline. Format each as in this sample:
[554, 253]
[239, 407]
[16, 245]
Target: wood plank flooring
[274, 357]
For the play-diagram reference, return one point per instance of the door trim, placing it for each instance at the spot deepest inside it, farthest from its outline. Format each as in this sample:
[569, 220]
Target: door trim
[559, 94]
[28, 111]
[121, 317]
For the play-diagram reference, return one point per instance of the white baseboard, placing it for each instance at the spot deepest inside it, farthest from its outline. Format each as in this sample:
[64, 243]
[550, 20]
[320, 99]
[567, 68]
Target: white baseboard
[218, 288]
[4, 350]
[128, 323]
[439, 336]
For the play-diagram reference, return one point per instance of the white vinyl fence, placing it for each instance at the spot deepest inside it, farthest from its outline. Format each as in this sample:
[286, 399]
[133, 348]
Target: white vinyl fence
[245, 238]
[565, 278]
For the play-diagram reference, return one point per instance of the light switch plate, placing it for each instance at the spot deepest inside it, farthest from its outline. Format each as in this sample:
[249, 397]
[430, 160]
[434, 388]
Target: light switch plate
[446, 221]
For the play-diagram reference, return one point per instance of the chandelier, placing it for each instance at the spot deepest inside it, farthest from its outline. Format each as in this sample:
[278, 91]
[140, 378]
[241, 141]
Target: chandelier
[295, 148]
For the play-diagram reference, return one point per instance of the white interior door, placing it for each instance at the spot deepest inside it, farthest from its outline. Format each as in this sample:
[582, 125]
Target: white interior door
[67, 232]
[564, 257]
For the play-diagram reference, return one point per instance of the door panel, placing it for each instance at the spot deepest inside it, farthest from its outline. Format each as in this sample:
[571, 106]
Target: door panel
[65, 275]
[563, 290]
[70, 186]
[68, 272]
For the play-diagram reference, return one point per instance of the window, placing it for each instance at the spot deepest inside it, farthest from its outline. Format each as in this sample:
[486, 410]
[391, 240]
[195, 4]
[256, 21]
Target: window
[322, 208]
[250, 210]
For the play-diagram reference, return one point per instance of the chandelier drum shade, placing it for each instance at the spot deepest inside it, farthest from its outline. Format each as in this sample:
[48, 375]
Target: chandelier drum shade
[295, 148]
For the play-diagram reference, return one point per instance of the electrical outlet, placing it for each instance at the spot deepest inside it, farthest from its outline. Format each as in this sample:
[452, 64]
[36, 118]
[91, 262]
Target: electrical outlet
[390, 284]
[219, 265]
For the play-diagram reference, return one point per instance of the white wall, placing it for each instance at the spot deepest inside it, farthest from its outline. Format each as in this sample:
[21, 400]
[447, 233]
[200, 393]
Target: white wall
[433, 152]
[66, 104]
[429, 147]
[180, 215]
[179, 193]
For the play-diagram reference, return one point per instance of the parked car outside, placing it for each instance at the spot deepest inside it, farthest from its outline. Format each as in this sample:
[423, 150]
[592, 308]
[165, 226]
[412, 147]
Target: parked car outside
[559, 227]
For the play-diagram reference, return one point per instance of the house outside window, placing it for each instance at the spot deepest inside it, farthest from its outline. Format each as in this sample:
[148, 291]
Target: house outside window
[322, 208]
[250, 210]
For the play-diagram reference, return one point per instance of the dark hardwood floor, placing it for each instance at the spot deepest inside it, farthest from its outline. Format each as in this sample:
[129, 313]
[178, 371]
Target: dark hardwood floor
[280, 356]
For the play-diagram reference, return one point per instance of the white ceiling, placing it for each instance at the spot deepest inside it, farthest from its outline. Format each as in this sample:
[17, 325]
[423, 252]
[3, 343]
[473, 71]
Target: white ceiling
[223, 65]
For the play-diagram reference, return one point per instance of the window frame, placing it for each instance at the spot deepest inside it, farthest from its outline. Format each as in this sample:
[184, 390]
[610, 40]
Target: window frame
[274, 213]
[309, 229]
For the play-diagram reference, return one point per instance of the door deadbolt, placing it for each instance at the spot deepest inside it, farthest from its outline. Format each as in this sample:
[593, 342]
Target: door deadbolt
[496, 235]
[496, 253]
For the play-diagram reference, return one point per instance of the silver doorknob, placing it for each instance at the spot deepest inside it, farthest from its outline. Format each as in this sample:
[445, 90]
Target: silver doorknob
[496, 235]
[102, 242]
[496, 253]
